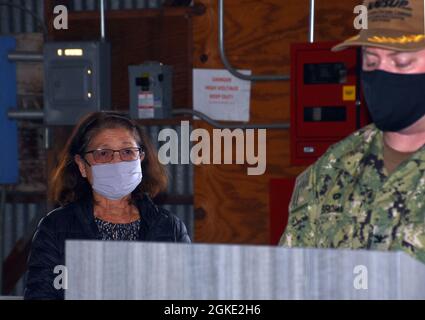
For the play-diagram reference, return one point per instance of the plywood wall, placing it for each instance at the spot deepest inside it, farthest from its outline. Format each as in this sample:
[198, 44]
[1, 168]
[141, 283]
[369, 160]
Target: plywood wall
[230, 206]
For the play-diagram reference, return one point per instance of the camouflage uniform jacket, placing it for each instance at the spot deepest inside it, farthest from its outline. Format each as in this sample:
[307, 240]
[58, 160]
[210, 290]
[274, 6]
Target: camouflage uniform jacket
[347, 200]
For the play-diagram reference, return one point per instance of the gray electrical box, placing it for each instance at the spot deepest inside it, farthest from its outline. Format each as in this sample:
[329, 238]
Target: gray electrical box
[150, 90]
[77, 80]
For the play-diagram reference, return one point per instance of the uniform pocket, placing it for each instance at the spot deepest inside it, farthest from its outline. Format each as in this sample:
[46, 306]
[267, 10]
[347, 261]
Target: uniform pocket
[334, 230]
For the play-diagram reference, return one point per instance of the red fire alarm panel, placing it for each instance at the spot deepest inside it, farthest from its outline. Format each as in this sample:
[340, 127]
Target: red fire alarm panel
[326, 100]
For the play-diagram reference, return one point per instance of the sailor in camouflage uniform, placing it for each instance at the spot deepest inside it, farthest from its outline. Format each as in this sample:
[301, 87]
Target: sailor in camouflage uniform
[368, 191]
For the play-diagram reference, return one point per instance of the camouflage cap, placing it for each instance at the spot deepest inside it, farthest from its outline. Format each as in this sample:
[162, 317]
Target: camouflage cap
[392, 24]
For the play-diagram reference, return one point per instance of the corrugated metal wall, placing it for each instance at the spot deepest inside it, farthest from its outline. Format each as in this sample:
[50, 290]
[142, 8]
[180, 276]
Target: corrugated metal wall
[82, 5]
[181, 181]
[14, 20]
[18, 216]
[19, 220]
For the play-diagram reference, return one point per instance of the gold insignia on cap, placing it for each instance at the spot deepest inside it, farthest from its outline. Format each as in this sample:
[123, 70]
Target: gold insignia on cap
[356, 37]
[401, 40]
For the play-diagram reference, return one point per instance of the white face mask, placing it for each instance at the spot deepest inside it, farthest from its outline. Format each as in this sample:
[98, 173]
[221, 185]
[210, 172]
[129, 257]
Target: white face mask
[117, 180]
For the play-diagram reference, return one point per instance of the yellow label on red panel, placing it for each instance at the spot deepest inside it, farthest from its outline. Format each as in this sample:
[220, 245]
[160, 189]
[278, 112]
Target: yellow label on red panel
[349, 93]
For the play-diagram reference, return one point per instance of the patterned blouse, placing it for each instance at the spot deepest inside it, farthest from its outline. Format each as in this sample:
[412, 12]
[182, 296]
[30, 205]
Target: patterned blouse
[118, 231]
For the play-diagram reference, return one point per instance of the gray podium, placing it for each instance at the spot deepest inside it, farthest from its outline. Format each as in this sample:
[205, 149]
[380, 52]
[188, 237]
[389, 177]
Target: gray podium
[135, 270]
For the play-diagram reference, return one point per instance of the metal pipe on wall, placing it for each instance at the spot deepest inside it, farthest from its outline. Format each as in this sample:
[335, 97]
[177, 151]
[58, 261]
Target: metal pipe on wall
[226, 62]
[15, 114]
[102, 20]
[312, 17]
[218, 125]
[17, 56]
[242, 76]
[39, 115]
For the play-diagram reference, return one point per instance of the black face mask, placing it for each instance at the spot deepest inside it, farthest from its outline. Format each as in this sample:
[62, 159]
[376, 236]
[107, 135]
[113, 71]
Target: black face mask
[395, 101]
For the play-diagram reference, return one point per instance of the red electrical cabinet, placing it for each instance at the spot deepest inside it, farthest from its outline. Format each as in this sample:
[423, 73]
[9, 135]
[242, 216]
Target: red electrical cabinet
[326, 100]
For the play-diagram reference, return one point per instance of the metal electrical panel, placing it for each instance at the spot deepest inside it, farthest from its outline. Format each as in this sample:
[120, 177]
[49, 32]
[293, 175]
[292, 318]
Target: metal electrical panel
[77, 80]
[150, 91]
[8, 128]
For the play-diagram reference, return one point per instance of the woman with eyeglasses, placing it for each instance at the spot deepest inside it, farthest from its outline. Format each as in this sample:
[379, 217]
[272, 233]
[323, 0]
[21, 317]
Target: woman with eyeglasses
[104, 182]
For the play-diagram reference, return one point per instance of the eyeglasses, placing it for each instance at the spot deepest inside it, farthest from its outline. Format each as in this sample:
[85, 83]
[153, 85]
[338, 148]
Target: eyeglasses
[107, 155]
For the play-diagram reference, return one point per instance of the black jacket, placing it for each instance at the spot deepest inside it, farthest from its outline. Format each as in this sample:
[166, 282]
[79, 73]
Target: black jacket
[76, 221]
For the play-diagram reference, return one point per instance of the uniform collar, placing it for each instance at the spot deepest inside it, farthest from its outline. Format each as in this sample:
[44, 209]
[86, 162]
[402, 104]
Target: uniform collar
[367, 141]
